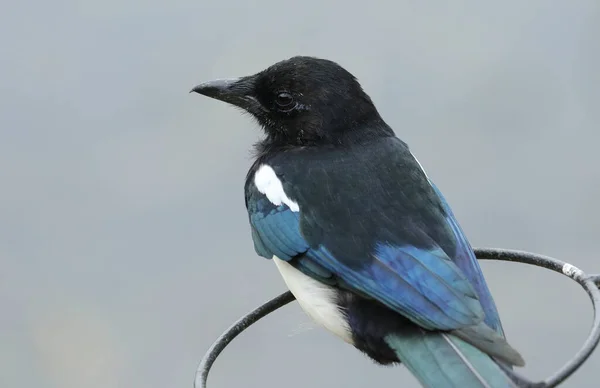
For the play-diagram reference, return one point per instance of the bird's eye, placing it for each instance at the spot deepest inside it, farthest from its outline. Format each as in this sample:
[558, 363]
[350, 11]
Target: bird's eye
[284, 99]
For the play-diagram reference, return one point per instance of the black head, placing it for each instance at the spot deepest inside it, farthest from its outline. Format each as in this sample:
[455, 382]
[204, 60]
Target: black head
[303, 101]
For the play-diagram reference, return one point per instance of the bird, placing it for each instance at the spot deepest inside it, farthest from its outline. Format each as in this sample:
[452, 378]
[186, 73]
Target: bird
[360, 234]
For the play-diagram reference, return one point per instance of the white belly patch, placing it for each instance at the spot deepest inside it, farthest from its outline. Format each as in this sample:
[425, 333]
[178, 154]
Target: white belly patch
[316, 299]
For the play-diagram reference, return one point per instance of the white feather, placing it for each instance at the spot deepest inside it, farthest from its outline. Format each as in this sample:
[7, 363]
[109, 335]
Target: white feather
[419, 163]
[267, 183]
[318, 300]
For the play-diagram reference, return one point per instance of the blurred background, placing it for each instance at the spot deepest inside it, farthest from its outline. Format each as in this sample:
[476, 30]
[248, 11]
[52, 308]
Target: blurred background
[124, 242]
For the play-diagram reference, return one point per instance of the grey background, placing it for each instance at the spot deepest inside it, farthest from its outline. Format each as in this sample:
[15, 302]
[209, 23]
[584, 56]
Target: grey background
[124, 244]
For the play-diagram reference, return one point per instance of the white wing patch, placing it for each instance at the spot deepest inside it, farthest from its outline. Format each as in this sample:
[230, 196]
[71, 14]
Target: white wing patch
[267, 183]
[318, 300]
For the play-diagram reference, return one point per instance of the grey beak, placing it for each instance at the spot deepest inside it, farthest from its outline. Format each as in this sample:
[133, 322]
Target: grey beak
[216, 87]
[235, 91]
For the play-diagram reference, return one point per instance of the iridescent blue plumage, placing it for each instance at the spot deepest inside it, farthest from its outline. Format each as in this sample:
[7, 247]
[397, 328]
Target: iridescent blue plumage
[465, 259]
[435, 293]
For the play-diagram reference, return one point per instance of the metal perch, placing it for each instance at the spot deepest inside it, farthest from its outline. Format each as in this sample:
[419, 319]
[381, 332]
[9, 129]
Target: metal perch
[591, 284]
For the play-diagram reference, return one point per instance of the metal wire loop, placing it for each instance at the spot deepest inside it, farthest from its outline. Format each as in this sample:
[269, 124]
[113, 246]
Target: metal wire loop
[590, 283]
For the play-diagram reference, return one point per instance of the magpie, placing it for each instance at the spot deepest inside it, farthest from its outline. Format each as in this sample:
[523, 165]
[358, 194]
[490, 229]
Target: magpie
[362, 237]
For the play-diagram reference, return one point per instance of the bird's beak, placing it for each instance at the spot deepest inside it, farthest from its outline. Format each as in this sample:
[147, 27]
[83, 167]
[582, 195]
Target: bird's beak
[235, 91]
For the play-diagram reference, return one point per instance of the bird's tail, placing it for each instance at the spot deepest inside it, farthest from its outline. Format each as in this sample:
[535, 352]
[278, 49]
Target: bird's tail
[439, 359]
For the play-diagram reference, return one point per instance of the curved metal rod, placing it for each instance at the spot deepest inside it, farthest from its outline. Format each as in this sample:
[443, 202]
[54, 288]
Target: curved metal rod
[234, 330]
[591, 284]
[595, 279]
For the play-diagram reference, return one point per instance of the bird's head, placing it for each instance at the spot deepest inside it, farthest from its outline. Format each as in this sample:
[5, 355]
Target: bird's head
[303, 101]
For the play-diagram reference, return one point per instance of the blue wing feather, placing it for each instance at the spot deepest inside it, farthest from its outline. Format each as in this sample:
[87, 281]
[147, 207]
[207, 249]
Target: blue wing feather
[421, 294]
[434, 276]
[424, 285]
[278, 230]
[465, 260]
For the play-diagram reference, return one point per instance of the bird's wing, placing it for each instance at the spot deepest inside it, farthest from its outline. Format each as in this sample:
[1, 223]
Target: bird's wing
[371, 222]
[465, 259]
